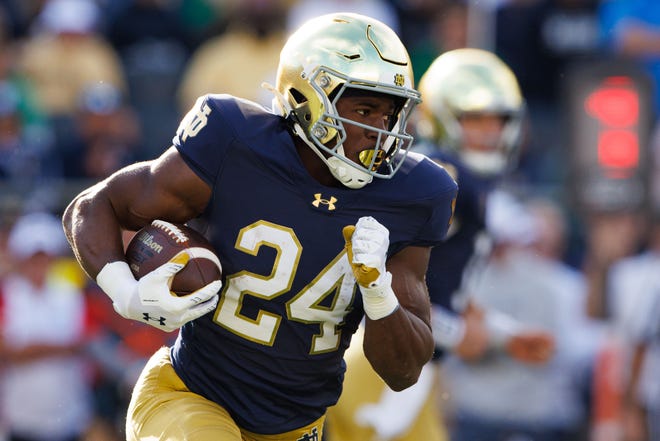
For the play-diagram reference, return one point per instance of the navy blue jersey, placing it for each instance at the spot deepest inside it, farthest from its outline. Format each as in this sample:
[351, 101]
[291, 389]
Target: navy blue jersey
[448, 261]
[272, 353]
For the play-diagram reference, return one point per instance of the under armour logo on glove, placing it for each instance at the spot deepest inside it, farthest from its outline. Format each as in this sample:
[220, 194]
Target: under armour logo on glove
[148, 318]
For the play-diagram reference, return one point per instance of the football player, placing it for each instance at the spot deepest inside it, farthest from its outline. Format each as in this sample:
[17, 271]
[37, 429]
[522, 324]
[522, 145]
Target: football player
[473, 114]
[319, 215]
[470, 121]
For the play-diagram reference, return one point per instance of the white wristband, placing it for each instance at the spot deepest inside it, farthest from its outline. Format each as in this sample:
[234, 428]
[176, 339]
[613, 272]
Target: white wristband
[379, 301]
[117, 281]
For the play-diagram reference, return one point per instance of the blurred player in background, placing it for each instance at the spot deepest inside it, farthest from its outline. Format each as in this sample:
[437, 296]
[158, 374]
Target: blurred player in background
[263, 358]
[474, 113]
[471, 120]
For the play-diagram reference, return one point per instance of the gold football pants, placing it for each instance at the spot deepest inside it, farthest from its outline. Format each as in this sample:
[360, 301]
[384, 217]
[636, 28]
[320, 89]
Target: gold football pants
[162, 408]
[363, 387]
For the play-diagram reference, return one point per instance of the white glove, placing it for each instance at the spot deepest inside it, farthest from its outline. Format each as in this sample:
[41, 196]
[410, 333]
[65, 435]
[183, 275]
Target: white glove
[149, 300]
[366, 246]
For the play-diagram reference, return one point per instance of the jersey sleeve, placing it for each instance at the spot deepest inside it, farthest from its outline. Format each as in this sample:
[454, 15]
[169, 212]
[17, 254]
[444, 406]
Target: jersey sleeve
[443, 202]
[205, 136]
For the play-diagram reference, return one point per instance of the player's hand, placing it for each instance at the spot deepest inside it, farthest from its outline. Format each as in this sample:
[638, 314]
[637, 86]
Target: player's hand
[149, 300]
[366, 246]
[531, 346]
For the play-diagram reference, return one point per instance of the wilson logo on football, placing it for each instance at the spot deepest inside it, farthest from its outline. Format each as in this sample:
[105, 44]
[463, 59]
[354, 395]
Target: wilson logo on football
[148, 241]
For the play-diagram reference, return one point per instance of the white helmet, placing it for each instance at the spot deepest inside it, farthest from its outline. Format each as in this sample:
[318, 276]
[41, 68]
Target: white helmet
[339, 54]
[472, 81]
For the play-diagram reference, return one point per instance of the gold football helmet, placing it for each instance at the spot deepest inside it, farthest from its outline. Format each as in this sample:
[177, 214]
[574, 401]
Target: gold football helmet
[328, 56]
[471, 81]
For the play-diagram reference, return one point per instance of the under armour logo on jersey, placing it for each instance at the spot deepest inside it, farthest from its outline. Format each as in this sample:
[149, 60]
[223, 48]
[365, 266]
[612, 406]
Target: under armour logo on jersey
[312, 436]
[318, 201]
[147, 318]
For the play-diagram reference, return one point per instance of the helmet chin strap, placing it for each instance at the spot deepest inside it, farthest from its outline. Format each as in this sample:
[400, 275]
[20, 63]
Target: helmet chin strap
[350, 176]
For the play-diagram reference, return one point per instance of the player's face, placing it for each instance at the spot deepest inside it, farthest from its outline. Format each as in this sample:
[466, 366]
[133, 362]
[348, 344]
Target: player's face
[481, 131]
[373, 111]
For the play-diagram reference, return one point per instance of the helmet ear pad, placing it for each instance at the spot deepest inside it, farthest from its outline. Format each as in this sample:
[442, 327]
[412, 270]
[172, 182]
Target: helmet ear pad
[300, 108]
[303, 113]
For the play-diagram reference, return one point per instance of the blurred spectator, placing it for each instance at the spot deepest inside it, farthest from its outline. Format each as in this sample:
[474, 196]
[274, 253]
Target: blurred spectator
[631, 29]
[239, 59]
[65, 54]
[27, 156]
[611, 230]
[634, 296]
[29, 110]
[545, 393]
[45, 382]
[610, 236]
[154, 47]
[105, 134]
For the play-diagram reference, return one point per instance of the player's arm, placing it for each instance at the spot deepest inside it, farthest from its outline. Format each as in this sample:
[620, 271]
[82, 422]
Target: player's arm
[399, 344]
[165, 188]
[398, 341]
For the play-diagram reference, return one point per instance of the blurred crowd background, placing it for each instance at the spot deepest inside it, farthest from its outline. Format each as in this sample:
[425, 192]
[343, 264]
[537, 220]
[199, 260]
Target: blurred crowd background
[88, 86]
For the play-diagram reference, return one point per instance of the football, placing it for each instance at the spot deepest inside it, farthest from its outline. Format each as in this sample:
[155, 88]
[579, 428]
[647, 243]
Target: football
[155, 244]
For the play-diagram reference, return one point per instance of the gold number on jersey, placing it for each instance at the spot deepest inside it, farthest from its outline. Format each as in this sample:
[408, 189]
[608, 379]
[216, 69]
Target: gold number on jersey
[324, 301]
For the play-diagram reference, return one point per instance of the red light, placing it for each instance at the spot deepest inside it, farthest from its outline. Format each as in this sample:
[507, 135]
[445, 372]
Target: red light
[609, 117]
[614, 107]
[618, 149]
[614, 104]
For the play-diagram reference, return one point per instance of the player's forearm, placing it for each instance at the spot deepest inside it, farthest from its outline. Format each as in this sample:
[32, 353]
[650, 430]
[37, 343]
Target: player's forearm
[398, 339]
[93, 230]
[398, 346]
